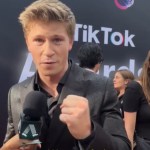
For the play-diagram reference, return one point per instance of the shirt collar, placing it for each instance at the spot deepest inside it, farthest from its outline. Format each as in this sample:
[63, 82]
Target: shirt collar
[61, 82]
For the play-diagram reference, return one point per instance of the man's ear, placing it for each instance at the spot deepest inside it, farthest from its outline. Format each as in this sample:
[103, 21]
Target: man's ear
[26, 40]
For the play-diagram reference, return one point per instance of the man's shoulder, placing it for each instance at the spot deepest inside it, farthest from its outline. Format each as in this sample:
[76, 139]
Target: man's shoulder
[75, 67]
[89, 76]
[25, 83]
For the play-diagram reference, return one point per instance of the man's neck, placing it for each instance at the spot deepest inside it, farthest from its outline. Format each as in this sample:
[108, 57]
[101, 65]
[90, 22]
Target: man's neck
[50, 83]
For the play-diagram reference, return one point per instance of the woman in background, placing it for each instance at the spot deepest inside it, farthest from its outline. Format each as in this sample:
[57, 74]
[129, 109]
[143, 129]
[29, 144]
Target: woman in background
[121, 79]
[137, 109]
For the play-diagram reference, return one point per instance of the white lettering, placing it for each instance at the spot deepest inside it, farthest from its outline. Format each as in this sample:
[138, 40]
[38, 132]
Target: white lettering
[128, 39]
[113, 38]
[87, 34]
[108, 69]
[26, 69]
[76, 36]
[106, 31]
[131, 66]
[92, 35]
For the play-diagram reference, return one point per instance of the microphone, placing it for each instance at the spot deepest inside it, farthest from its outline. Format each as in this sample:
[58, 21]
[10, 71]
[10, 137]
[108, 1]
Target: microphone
[34, 107]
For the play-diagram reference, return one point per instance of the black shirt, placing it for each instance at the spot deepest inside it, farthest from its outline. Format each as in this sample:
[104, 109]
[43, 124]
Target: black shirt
[135, 101]
[52, 104]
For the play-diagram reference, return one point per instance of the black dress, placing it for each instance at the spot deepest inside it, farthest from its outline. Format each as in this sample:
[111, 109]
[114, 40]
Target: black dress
[134, 100]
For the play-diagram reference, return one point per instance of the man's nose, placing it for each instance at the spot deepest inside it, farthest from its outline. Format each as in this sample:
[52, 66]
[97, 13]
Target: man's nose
[48, 49]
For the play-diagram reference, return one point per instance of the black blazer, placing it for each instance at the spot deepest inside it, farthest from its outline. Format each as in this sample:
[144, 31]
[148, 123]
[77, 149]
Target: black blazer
[109, 132]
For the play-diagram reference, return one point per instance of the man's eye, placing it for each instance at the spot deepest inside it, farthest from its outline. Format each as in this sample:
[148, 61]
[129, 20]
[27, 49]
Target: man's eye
[57, 40]
[39, 40]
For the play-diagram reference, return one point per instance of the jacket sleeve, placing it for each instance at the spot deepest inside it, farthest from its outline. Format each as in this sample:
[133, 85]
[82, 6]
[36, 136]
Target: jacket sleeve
[108, 132]
[10, 127]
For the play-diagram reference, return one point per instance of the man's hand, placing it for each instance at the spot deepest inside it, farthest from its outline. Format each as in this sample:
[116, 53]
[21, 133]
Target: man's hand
[75, 113]
[18, 144]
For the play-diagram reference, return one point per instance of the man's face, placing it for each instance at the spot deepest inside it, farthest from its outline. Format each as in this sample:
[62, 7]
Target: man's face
[49, 45]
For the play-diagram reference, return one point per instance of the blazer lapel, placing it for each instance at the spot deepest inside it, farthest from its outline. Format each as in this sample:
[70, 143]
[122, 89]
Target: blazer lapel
[57, 129]
[75, 84]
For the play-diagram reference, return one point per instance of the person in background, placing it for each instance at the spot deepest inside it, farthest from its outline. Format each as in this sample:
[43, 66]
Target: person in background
[85, 115]
[137, 108]
[120, 80]
[90, 57]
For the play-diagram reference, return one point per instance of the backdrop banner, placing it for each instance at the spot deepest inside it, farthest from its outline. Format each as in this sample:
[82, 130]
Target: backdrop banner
[121, 27]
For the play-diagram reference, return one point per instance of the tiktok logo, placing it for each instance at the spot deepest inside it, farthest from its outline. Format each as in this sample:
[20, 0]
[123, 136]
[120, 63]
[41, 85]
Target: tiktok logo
[87, 33]
[124, 4]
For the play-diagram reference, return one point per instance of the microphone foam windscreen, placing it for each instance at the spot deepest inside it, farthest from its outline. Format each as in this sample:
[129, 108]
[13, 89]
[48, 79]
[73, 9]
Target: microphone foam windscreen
[35, 104]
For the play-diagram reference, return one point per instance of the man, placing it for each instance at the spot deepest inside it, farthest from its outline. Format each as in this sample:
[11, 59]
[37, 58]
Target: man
[85, 115]
[90, 57]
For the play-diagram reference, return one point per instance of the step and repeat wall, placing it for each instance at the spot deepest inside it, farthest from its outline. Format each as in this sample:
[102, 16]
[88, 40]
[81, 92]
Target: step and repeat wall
[121, 27]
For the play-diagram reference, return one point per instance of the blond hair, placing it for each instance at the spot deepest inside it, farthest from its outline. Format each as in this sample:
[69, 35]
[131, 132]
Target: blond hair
[47, 11]
[145, 77]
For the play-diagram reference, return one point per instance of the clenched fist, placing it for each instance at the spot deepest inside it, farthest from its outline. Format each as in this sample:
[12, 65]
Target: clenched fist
[75, 114]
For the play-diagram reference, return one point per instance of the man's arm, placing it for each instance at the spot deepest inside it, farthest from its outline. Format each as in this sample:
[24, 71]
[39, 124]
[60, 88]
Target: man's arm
[106, 133]
[109, 132]
[10, 126]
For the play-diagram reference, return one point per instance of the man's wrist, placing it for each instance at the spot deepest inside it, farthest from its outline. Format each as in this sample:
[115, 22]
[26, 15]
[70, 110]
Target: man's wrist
[86, 141]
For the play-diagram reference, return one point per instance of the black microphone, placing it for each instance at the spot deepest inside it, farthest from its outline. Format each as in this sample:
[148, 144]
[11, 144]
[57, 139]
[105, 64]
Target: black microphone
[34, 107]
